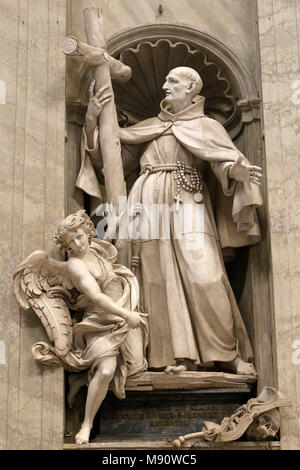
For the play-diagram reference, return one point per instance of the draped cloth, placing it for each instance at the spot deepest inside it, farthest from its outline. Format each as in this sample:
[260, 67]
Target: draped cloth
[192, 310]
[100, 334]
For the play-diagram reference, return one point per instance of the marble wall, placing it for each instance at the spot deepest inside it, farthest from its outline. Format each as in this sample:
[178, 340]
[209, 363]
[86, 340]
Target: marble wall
[279, 40]
[32, 133]
[34, 175]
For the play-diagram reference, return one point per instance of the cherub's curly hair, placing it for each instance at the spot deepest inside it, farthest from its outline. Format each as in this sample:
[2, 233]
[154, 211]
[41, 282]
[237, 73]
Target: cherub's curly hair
[72, 222]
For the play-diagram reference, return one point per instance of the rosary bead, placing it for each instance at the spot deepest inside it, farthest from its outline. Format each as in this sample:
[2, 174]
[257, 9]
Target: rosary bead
[187, 179]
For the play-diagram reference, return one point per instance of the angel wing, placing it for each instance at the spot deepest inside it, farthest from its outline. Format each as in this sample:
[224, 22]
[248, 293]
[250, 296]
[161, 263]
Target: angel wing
[41, 283]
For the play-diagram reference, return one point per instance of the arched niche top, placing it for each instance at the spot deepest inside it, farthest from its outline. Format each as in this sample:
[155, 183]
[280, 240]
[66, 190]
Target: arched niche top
[152, 50]
[234, 69]
[151, 61]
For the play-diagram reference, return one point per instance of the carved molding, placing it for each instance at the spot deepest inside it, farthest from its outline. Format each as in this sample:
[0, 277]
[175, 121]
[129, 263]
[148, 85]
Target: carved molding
[250, 109]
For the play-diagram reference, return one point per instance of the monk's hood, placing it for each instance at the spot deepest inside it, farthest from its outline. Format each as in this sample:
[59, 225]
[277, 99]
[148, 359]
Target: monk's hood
[194, 111]
[204, 137]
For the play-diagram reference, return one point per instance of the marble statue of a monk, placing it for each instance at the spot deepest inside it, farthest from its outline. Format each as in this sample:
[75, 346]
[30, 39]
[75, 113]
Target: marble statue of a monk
[194, 319]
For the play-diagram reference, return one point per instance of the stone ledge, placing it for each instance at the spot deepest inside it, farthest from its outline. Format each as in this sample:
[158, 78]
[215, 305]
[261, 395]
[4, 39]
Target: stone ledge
[189, 381]
[122, 444]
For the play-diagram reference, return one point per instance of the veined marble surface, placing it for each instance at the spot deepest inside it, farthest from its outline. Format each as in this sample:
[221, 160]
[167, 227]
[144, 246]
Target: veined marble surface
[279, 33]
[32, 131]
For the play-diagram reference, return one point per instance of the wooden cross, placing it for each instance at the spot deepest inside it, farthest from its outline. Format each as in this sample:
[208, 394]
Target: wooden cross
[95, 55]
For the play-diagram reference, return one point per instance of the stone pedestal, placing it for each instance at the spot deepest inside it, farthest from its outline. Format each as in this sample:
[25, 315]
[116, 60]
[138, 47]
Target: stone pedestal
[159, 406]
[162, 415]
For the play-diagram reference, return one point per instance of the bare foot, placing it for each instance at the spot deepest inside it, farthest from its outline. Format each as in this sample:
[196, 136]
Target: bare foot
[175, 369]
[82, 437]
[240, 367]
[76, 381]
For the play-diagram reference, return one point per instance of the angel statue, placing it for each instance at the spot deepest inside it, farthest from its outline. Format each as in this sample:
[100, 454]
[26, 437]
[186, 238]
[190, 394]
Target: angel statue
[110, 340]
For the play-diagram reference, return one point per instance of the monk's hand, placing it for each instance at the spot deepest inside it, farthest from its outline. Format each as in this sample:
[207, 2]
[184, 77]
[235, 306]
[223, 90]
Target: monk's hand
[96, 101]
[241, 171]
[136, 319]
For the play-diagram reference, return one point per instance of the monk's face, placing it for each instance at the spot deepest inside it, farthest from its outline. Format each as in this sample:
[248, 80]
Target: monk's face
[177, 91]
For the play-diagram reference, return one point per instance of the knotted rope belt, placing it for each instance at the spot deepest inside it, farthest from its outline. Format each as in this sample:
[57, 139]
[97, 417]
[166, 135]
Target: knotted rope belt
[163, 167]
[179, 171]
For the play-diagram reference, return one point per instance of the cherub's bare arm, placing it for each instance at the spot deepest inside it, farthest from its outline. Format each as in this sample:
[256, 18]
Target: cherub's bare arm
[86, 284]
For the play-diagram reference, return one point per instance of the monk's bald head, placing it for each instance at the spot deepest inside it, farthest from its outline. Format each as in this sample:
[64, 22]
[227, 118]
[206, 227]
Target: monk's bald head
[181, 85]
[190, 76]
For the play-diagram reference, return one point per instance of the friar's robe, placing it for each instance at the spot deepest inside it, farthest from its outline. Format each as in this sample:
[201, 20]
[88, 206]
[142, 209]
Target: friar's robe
[192, 310]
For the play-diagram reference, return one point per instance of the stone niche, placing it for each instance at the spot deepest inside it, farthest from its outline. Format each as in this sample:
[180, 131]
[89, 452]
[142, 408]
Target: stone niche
[232, 99]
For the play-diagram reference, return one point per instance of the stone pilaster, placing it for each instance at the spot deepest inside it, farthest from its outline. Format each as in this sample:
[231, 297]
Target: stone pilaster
[32, 133]
[279, 33]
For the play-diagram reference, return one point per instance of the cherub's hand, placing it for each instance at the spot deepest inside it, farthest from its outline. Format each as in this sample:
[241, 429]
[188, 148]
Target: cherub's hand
[135, 319]
[243, 172]
[97, 101]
